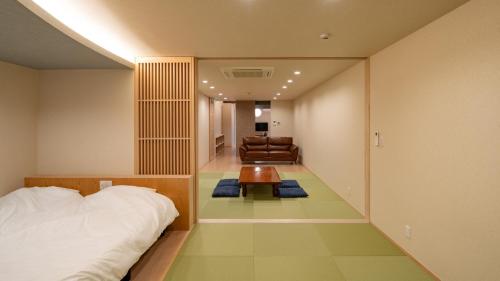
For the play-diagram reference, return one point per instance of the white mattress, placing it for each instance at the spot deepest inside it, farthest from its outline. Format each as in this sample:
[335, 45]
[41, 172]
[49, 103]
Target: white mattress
[55, 234]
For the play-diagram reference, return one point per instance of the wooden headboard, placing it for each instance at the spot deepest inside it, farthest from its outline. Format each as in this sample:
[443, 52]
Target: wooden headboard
[178, 188]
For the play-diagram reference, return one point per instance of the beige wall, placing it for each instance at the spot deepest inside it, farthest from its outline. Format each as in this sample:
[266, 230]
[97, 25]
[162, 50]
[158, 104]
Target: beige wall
[18, 105]
[329, 128]
[245, 120]
[436, 101]
[203, 130]
[281, 124]
[86, 122]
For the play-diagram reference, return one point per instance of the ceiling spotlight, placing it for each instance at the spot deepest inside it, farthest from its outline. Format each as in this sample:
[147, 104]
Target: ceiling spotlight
[225, 98]
[290, 81]
[275, 98]
[284, 87]
[220, 94]
[212, 87]
[278, 94]
[324, 36]
[296, 72]
[204, 81]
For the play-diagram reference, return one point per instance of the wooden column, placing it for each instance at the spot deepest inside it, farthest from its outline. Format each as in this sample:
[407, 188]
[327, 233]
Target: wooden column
[165, 119]
[165, 116]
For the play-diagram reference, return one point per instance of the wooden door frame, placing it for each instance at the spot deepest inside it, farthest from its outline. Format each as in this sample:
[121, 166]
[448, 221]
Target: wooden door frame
[367, 112]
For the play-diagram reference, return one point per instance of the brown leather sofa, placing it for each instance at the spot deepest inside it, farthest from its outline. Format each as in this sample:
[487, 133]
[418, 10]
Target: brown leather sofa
[268, 149]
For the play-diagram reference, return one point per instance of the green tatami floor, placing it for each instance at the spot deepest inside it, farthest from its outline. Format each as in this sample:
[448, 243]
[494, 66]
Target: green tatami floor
[322, 203]
[291, 252]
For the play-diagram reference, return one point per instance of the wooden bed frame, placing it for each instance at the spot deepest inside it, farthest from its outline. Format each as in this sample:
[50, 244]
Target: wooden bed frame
[178, 188]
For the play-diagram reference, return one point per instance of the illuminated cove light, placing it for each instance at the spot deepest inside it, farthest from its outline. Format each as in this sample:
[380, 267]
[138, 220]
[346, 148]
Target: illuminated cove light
[70, 14]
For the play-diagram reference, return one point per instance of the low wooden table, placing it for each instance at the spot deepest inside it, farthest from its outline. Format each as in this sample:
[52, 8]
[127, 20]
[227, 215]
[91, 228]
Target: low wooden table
[259, 175]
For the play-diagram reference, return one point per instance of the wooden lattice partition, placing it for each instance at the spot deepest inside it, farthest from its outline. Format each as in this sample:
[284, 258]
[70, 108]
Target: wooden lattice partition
[165, 116]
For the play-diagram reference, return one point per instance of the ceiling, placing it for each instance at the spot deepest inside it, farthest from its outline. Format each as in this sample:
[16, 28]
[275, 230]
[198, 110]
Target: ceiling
[26, 39]
[249, 28]
[312, 73]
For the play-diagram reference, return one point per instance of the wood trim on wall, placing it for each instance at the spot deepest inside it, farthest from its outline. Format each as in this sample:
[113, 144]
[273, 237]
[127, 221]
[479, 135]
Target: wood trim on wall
[421, 265]
[282, 58]
[194, 143]
[178, 188]
[367, 139]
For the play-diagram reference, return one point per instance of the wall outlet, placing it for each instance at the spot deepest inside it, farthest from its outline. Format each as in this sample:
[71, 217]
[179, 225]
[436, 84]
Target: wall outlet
[104, 184]
[349, 191]
[408, 232]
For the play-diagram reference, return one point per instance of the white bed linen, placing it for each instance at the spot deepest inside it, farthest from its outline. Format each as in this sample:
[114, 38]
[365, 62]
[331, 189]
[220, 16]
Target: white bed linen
[21, 207]
[99, 239]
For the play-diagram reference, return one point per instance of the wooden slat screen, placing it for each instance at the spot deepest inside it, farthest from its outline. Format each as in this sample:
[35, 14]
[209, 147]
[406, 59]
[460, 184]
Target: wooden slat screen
[165, 116]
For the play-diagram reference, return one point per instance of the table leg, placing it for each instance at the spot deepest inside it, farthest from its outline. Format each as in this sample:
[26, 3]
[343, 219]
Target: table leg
[244, 190]
[276, 191]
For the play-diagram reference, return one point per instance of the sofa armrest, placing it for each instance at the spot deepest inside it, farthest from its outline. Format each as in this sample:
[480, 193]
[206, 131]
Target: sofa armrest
[243, 151]
[295, 151]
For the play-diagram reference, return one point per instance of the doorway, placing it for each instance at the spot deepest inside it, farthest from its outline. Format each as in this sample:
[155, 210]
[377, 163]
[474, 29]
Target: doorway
[257, 98]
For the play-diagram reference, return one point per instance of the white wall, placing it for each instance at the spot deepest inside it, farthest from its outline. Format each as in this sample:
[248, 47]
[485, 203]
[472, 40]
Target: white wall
[281, 124]
[265, 117]
[18, 105]
[329, 128]
[217, 118]
[436, 101]
[86, 122]
[229, 124]
[203, 129]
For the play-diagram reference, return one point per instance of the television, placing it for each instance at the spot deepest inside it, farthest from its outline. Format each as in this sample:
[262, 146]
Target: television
[261, 127]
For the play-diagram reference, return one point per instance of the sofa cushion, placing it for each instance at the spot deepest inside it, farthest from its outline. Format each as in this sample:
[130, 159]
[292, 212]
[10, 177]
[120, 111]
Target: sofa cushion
[281, 141]
[257, 147]
[257, 153]
[279, 147]
[280, 154]
[255, 140]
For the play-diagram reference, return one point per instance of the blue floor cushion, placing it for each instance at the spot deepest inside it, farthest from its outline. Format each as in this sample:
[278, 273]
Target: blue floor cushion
[292, 192]
[226, 191]
[289, 184]
[228, 182]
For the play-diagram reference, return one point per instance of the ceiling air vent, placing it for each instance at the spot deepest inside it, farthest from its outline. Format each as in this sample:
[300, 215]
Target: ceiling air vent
[247, 72]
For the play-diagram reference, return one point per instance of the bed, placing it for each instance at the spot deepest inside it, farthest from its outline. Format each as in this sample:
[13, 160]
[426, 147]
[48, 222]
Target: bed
[54, 233]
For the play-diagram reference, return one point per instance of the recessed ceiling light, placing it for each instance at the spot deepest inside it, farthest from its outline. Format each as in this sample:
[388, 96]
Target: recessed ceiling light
[324, 36]
[290, 81]
[275, 98]
[212, 87]
[296, 72]
[225, 98]
[220, 94]
[284, 87]
[204, 81]
[278, 94]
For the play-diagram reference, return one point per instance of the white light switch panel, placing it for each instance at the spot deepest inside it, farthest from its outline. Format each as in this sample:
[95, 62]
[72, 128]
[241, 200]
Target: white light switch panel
[104, 184]
[377, 138]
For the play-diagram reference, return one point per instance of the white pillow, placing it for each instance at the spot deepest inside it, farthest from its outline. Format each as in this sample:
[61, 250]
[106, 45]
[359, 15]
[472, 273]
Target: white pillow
[133, 199]
[26, 207]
